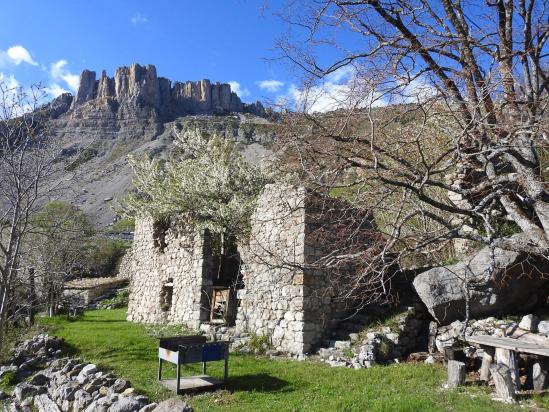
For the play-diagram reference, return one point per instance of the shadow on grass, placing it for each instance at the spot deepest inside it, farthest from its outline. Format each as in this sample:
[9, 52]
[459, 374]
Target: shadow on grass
[256, 383]
[69, 349]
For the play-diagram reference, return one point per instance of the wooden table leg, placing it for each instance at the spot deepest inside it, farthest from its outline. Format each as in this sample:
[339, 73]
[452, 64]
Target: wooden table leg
[226, 371]
[178, 376]
[510, 359]
[487, 360]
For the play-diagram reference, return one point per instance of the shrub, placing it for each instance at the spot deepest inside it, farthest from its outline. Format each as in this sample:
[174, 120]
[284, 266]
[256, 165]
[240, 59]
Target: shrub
[9, 380]
[259, 343]
[120, 300]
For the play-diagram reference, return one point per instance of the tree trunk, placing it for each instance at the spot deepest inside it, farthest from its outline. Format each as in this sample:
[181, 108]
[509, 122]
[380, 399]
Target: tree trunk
[31, 296]
[456, 373]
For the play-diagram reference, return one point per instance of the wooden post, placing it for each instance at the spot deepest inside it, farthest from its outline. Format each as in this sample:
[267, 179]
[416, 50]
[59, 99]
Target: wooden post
[203, 368]
[226, 369]
[178, 374]
[538, 371]
[431, 345]
[456, 373]
[487, 360]
[159, 369]
[510, 359]
[505, 387]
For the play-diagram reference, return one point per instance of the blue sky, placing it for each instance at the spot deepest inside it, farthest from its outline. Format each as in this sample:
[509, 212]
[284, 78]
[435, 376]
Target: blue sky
[223, 40]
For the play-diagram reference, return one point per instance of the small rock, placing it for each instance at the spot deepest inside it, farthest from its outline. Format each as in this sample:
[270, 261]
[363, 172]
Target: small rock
[129, 391]
[342, 344]
[39, 379]
[529, 323]
[543, 327]
[148, 408]
[119, 385]
[24, 390]
[430, 360]
[125, 405]
[86, 372]
[173, 405]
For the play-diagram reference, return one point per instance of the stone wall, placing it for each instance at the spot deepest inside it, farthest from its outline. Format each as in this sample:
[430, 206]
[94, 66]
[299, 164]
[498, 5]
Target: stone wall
[284, 291]
[162, 255]
[271, 302]
[289, 291]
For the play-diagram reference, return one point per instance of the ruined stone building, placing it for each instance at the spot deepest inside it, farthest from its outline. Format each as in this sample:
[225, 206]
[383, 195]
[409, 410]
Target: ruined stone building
[268, 286]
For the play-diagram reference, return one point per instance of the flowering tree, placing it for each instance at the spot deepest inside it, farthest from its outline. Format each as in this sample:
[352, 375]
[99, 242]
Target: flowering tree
[206, 178]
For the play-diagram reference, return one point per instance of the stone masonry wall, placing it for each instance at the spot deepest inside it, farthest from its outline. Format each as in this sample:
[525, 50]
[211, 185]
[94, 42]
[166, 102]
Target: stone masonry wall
[271, 303]
[287, 295]
[160, 254]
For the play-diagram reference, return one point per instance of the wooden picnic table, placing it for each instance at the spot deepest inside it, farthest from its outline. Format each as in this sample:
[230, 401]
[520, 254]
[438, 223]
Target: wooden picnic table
[505, 350]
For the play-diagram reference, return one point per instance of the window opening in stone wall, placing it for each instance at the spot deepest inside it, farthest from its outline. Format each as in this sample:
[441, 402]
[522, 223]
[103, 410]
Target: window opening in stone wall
[160, 227]
[166, 295]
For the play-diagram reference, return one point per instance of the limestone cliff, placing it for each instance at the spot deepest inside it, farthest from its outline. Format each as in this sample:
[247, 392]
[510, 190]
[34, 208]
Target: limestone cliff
[140, 85]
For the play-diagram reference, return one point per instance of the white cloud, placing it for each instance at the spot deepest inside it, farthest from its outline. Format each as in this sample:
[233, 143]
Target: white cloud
[344, 88]
[270, 85]
[235, 87]
[10, 82]
[55, 90]
[19, 54]
[16, 55]
[59, 73]
[138, 18]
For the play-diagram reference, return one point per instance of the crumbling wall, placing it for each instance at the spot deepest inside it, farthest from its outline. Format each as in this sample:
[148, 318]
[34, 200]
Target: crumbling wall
[271, 302]
[166, 271]
[290, 294]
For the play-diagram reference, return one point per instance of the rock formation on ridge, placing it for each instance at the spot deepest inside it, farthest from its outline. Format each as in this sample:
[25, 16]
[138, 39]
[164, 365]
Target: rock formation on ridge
[136, 112]
[140, 85]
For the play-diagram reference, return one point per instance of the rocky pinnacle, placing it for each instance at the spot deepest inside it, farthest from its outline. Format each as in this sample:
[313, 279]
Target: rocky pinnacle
[140, 85]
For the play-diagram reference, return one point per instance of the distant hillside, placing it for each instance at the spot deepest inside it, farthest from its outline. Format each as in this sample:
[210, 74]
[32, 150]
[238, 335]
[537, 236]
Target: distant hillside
[137, 112]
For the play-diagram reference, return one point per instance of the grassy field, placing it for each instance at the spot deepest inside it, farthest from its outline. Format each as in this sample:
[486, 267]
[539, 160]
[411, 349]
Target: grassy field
[263, 384]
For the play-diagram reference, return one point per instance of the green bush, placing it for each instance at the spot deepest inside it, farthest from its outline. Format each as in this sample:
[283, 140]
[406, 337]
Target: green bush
[259, 343]
[85, 156]
[120, 300]
[9, 380]
[123, 225]
[106, 255]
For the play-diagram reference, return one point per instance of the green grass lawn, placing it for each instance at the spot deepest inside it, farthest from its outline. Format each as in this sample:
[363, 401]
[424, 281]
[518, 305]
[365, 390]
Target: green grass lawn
[262, 384]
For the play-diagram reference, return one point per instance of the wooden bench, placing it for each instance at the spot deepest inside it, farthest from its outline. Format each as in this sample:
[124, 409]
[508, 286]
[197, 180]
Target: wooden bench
[505, 350]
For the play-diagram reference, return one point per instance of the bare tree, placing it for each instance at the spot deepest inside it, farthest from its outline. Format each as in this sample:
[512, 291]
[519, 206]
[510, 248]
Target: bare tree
[459, 149]
[28, 168]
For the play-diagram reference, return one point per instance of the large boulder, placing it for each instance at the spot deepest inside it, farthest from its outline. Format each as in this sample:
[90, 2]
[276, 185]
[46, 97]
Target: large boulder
[173, 405]
[500, 281]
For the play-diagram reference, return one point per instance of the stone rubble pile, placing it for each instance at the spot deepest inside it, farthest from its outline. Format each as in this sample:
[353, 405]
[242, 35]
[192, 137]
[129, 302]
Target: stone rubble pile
[380, 344]
[447, 336]
[50, 383]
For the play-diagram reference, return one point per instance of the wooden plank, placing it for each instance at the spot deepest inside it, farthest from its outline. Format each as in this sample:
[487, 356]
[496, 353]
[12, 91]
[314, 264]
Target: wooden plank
[509, 344]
